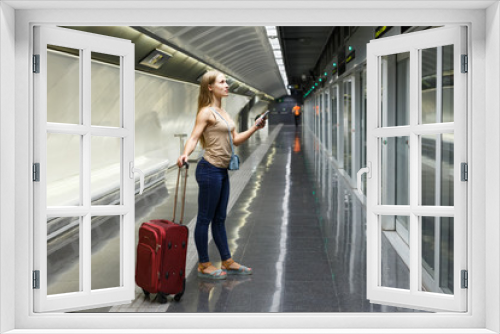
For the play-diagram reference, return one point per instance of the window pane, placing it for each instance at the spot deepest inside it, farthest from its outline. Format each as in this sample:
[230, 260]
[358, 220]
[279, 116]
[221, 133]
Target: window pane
[448, 84]
[347, 127]
[63, 85]
[395, 169]
[437, 84]
[429, 82]
[321, 119]
[395, 253]
[326, 120]
[395, 90]
[437, 170]
[63, 255]
[335, 126]
[105, 90]
[447, 169]
[437, 254]
[106, 171]
[106, 267]
[63, 169]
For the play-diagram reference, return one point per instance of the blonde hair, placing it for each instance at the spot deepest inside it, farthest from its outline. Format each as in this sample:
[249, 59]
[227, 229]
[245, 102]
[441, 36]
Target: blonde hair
[206, 97]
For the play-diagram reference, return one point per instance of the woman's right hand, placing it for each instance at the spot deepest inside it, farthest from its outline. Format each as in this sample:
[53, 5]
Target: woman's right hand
[181, 160]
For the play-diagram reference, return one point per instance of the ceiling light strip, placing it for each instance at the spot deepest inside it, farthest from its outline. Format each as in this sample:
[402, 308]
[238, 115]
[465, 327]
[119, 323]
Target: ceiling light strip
[272, 35]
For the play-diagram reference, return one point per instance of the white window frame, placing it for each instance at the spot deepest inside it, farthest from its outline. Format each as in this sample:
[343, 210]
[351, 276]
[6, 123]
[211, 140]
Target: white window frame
[483, 100]
[125, 291]
[414, 130]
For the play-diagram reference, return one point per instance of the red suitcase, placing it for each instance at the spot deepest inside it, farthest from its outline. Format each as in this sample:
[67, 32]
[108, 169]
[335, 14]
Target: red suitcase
[161, 254]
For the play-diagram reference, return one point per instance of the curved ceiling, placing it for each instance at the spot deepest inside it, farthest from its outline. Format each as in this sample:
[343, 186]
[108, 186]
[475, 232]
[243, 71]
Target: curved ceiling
[241, 52]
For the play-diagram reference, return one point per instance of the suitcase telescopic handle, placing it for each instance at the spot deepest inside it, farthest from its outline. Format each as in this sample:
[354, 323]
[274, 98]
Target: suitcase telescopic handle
[186, 164]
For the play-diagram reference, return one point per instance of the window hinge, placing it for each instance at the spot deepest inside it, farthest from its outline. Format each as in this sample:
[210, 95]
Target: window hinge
[465, 64]
[36, 63]
[36, 172]
[465, 279]
[36, 279]
[464, 171]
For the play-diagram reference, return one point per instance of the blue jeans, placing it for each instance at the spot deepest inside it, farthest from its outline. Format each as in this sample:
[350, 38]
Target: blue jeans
[213, 196]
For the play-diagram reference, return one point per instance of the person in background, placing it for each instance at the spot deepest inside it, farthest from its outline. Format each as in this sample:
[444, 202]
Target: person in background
[296, 114]
[211, 129]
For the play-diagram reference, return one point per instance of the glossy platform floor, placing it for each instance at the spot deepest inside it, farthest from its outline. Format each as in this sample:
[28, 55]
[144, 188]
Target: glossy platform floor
[296, 223]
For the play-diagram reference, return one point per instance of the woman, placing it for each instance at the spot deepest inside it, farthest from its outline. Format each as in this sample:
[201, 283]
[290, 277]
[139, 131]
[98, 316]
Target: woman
[211, 129]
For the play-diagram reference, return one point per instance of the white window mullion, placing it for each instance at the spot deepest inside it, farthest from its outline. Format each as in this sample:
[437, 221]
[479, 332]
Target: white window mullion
[86, 244]
[414, 228]
[393, 131]
[438, 159]
[434, 129]
[127, 98]
[390, 210]
[373, 192]
[76, 129]
[85, 260]
[421, 130]
[439, 120]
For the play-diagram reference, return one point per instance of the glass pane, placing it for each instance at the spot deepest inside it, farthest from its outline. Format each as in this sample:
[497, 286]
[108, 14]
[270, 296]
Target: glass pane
[321, 120]
[437, 84]
[105, 90]
[63, 169]
[448, 83]
[335, 123]
[106, 171]
[63, 255]
[63, 85]
[437, 254]
[105, 260]
[429, 85]
[447, 169]
[395, 90]
[347, 127]
[437, 169]
[395, 253]
[395, 171]
[325, 121]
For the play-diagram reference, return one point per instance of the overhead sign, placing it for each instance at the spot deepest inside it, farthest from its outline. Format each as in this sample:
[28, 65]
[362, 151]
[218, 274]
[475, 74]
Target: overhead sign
[380, 31]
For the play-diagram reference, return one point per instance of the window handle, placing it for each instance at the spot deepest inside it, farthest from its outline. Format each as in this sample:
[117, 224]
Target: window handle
[368, 171]
[133, 170]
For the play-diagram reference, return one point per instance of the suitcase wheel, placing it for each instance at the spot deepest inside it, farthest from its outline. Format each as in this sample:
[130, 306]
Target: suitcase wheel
[178, 296]
[162, 298]
[146, 293]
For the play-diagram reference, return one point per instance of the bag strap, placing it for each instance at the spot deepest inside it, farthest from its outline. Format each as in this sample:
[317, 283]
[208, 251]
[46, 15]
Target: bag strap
[228, 129]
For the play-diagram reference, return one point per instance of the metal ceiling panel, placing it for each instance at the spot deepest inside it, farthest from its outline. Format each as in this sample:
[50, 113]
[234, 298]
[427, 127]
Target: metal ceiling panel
[241, 52]
[302, 47]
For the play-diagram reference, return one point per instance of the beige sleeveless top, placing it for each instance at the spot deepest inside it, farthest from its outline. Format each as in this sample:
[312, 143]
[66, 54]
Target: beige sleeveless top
[217, 144]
